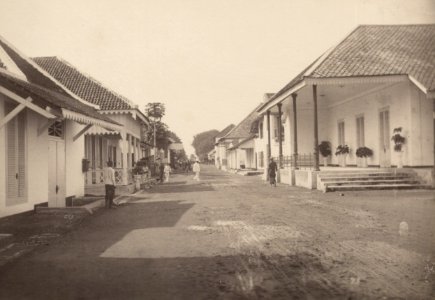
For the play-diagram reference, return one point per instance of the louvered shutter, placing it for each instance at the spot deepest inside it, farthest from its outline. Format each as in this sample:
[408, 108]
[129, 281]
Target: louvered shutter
[21, 157]
[12, 181]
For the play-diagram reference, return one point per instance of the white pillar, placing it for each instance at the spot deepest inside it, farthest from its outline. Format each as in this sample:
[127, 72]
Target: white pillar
[125, 149]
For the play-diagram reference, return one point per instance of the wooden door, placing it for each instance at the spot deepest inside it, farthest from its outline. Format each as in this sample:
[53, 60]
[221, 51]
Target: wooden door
[384, 139]
[56, 173]
[16, 159]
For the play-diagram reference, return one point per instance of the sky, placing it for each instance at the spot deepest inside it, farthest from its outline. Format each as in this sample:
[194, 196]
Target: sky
[209, 61]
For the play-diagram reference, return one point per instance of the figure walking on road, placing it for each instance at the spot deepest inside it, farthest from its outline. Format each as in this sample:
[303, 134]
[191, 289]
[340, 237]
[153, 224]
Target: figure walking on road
[273, 168]
[167, 171]
[109, 182]
[196, 170]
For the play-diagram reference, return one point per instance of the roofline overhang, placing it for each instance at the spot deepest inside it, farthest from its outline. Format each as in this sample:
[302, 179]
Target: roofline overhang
[46, 74]
[268, 105]
[27, 103]
[310, 81]
[81, 118]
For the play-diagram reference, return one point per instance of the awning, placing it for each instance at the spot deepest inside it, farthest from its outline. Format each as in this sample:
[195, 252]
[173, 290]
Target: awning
[98, 130]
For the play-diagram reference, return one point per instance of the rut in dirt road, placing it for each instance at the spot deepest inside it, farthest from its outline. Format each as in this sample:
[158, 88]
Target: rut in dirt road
[233, 237]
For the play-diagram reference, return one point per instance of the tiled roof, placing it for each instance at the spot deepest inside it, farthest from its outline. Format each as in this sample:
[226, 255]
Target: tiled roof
[373, 50]
[83, 85]
[243, 129]
[225, 131]
[44, 97]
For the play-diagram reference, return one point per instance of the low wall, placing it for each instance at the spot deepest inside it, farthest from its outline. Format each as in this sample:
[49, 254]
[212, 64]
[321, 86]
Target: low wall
[306, 178]
[285, 176]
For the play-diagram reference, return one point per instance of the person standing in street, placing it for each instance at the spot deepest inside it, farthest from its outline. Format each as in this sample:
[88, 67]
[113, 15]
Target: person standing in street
[161, 171]
[109, 182]
[196, 170]
[273, 168]
[167, 171]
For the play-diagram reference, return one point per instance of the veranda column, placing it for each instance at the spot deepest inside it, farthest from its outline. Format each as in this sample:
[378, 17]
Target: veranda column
[316, 130]
[279, 135]
[295, 133]
[124, 159]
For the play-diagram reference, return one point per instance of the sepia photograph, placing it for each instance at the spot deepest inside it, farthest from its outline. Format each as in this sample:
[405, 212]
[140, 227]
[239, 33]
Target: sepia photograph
[217, 149]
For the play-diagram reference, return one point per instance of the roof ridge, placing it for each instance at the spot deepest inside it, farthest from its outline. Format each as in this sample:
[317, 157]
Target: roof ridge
[86, 75]
[244, 119]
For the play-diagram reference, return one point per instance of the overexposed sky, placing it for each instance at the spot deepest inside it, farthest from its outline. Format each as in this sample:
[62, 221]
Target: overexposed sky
[209, 61]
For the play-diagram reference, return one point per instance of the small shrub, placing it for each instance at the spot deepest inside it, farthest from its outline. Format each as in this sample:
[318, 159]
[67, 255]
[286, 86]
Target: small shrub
[325, 148]
[398, 139]
[364, 152]
[342, 149]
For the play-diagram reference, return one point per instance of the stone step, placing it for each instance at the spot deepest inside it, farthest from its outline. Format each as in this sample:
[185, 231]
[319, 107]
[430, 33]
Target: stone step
[375, 187]
[371, 182]
[361, 178]
[362, 174]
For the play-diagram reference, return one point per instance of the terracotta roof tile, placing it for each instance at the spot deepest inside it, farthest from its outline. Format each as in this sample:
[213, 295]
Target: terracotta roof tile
[83, 85]
[243, 129]
[372, 50]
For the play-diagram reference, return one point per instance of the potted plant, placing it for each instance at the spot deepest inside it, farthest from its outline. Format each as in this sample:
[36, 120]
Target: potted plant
[342, 151]
[325, 151]
[363, 153]
[399, 141]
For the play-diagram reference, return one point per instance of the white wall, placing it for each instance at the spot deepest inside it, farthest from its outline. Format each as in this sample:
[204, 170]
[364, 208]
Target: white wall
[421, 129]
[409, 108]
[36, 165]
[74, 153]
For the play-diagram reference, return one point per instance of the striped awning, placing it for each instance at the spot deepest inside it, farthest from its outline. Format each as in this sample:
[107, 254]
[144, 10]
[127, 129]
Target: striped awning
[97, 130]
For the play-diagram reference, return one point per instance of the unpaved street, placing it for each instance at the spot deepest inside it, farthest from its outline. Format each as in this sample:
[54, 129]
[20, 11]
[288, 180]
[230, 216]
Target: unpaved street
[235, 237]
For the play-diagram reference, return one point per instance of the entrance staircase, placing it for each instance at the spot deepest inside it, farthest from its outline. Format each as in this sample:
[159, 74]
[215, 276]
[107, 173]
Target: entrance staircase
[372, 179]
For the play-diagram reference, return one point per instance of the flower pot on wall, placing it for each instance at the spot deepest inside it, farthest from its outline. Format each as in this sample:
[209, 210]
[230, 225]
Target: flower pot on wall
[363, 162]
[342, 160]
[400, 159]
[325, 161]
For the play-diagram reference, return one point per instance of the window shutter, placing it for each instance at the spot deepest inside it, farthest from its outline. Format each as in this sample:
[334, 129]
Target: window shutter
[12, 182]
[21, 157]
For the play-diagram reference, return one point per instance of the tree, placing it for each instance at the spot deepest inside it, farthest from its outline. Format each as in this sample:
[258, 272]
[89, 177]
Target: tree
[158, 137]
[203, 143]
[155, 110]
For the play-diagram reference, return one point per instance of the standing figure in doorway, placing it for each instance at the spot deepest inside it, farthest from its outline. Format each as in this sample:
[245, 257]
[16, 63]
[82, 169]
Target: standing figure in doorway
[196, 170]
[273, 168]
[109, 182]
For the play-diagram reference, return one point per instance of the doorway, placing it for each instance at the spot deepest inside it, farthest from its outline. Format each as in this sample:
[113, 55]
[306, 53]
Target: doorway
[384, 139]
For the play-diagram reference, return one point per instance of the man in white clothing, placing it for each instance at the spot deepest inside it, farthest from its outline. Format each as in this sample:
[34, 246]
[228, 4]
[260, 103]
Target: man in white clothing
[109, 182]
[196, 170]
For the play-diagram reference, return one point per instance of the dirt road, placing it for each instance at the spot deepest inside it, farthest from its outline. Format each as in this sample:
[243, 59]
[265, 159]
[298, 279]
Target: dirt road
[235, 237]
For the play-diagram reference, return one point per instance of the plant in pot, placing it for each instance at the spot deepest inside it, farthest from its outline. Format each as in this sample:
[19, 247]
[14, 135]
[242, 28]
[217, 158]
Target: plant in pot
[325, 151]
[399, 141]
[363, 153]
[342, 151]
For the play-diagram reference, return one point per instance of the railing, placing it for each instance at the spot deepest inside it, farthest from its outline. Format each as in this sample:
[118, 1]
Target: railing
[96, 176]
[302, 161]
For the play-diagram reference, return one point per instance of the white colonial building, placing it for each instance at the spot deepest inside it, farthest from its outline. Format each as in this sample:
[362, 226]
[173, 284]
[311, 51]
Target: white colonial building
[123, 147]
[377, 79]
[41, 135]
